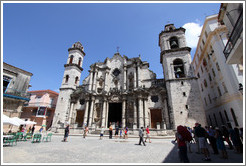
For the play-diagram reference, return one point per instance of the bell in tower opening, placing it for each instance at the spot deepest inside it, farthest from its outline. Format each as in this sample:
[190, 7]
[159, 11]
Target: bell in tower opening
[174, 43]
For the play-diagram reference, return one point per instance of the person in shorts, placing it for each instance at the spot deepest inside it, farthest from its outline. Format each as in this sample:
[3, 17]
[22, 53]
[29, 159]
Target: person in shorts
[202, 135]
[147, 134]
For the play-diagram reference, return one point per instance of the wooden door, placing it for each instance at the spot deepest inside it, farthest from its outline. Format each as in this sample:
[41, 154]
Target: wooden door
[155, 117]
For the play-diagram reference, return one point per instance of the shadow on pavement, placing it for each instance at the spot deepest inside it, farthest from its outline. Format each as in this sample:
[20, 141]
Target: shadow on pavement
[233, 157]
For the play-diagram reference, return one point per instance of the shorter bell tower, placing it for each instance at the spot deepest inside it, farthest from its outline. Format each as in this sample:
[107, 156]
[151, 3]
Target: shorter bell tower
[70, 81]
[184, 100]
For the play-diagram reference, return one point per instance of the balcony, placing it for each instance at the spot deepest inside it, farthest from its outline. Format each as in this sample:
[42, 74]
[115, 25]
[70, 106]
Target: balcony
[158, 82]
[13, 93]
[236, 32]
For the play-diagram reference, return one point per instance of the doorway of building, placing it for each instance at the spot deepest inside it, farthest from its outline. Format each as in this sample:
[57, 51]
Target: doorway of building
[80, 117]
[115, 113]
[155, 117]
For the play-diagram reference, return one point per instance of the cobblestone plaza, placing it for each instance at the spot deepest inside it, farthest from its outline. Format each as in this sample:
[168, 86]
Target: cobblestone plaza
[92, 150]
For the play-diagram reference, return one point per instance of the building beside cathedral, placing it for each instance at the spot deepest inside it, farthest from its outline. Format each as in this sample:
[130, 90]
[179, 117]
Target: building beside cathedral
[125, 90]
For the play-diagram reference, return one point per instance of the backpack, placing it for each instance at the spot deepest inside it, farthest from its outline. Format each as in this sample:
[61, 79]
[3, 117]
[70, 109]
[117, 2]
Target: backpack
[186, 135]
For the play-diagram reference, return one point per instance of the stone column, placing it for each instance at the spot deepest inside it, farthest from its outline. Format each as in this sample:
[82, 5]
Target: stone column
[134, 114]
[86, 113]
[146, 117]
[105, 80]
[95, 80]
[124, 78]
[90, 83]
[91, 110]
[123, 113]
[70, 113]
[139, 73]
[165, 114]
[140, 112]
[104, 114]
[135, 78]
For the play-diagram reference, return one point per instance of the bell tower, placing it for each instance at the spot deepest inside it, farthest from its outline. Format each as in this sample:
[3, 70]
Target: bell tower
[70, 81]
[184, 100]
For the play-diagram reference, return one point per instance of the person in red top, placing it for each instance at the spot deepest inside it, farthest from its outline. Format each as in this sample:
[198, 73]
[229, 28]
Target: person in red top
[147, 134]
[182, 145]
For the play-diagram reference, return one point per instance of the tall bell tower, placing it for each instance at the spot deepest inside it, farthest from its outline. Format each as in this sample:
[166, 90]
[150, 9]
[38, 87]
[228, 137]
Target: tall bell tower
[70, 81]
[184, 100]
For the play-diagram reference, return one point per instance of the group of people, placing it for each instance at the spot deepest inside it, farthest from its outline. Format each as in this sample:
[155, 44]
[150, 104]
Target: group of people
[214, 135]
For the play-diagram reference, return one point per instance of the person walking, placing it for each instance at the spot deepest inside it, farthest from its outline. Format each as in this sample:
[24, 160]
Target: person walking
[117, 130]
[147, 134]
[33, 129]
[220, 143]
[86, 130]
[225, 134]
[182, 144]
[196, 139]
[141, 136]
[110, 131]
[201, 133]
[66, 133]
[212, 139]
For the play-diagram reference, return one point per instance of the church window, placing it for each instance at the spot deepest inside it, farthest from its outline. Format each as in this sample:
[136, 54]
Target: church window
[116, 72]
[209, 77]
[227, 119]
[178, 68]
[203, 42]
[213, 72]
[221, 117]
[205, 83]
[234, 117]
[154, 99]
[174, 42]
[82, 101]
[219, 91]
[215, 120]
[71, 59]
[217, 66]
[76, 80]
[211, 124]
[79, 61]
[184, 94]
[67, 77]
[187, 107]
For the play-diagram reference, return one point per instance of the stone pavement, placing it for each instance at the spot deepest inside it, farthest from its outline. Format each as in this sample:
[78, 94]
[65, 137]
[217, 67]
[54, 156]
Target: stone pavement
[92, 150]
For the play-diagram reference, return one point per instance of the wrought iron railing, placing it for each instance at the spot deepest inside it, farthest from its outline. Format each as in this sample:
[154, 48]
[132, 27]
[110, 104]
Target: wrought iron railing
[236, 32]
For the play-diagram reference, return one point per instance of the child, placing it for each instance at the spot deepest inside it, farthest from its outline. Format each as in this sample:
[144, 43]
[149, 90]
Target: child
[102, 132]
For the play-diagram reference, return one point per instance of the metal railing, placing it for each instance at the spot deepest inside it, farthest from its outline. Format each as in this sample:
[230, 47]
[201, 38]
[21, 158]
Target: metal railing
[236, 32]
[15, 92]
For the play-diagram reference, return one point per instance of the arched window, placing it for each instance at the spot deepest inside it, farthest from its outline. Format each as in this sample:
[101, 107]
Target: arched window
[79, 61]
[76, 79]
[178, 68]
[71, 59]
[67, 77]
[174, 42]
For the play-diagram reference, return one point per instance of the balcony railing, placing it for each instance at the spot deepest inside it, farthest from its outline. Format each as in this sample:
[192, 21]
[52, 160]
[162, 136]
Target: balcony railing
[13, 93]
[37, 104]
[158, 82]
[236, 32]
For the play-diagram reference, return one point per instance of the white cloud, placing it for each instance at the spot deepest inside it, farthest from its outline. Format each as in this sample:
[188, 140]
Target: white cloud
[192, 33]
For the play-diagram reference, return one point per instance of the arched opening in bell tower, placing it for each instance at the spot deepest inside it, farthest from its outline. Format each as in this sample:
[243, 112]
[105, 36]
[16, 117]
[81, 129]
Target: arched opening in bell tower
[178, 68]
[174, 42]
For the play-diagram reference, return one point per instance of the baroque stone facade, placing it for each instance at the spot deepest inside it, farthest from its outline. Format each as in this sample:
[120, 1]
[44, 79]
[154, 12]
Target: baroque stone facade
[124, 90]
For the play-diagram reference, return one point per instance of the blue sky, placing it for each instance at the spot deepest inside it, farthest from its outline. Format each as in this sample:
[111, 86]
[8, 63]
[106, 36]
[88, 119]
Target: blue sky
[36, 36]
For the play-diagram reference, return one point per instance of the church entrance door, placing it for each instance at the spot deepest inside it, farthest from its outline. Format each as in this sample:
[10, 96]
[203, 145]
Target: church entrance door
[80, 117]
[115, 113]
[155, 117]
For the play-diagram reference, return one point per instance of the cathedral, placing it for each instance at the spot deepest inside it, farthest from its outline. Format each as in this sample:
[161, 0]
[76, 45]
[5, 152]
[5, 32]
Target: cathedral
[125, 91]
